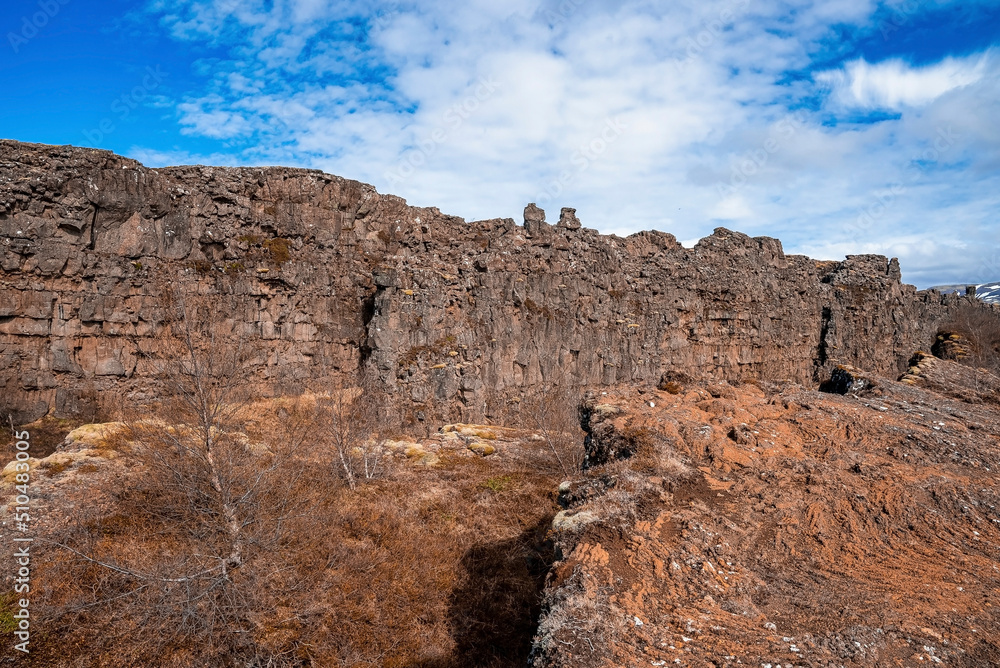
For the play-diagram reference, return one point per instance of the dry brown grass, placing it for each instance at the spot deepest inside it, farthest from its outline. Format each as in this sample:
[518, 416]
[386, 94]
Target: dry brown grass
[425, 568]
[229, 533]
[552, 413]
[46, 435]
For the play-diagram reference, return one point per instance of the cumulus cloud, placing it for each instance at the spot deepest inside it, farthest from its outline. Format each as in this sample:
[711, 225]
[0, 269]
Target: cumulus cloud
[681, 116]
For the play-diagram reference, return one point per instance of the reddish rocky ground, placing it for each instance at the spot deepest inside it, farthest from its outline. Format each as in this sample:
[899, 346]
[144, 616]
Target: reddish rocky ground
[725, 526]
[716, 525]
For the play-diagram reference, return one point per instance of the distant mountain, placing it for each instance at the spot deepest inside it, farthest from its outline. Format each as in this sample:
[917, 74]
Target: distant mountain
[988, 292]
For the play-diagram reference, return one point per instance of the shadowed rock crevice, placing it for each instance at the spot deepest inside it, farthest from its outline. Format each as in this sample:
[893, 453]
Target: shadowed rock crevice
[495, 608]
[822, 354]
[93, 229]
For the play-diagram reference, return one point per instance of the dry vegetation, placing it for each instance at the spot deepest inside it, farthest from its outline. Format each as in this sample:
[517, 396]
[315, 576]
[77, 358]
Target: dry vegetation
[551, 413]
[229, 531]
[46, 435]
[437, 567]
[976, 333]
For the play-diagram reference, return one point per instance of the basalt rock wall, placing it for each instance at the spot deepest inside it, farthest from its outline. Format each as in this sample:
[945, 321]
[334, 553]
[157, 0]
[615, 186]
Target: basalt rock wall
[455, 317]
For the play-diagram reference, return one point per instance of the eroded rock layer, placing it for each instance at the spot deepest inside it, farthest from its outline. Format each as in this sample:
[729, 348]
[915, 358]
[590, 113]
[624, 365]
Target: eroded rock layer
[456, 316]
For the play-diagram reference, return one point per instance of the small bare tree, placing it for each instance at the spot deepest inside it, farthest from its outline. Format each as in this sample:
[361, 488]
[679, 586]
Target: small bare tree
[208, 504]
[980, 327]
[353, 423]
[551, 412]
[209, 378]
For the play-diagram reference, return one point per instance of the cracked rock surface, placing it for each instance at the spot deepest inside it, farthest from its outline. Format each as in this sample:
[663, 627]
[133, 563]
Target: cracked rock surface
[456, 317]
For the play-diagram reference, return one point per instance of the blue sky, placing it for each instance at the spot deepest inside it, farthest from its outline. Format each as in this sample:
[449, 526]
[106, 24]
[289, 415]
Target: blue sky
[840, 127]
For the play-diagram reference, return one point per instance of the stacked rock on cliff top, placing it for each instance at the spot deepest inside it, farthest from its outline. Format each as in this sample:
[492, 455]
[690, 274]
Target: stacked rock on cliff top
[455, 317]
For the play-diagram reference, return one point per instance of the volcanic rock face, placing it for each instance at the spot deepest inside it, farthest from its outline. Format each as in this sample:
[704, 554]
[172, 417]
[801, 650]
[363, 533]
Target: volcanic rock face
[454, 316]
[568, 219]
[725, 525]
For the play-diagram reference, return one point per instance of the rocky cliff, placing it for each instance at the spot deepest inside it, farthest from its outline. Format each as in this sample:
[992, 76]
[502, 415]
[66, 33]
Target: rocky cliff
[456, 317]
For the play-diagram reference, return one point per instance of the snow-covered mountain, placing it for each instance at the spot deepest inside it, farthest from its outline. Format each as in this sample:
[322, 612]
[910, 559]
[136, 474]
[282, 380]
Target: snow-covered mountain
[988, 292]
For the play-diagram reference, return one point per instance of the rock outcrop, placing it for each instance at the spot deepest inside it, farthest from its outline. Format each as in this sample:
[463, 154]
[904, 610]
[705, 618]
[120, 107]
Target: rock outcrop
[456, 317]
[738, 526]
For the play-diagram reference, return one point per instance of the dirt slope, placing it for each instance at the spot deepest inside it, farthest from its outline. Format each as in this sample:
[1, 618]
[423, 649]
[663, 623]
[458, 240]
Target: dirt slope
[715, 526]
[726, 526]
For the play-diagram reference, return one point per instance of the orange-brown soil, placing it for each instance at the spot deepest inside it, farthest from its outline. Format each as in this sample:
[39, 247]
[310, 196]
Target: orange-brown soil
[734, 526]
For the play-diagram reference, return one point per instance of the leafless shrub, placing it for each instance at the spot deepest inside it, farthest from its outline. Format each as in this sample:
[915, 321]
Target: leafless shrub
[581, 617]
[670, 465]
[185, 558]
[353, 422]
[551, 412]
[979, 329]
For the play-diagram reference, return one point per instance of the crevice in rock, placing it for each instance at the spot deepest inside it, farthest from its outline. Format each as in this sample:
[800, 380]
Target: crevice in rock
[822, 352]
[93, 229]
[214, 251]
[367, 315]
[495, 609]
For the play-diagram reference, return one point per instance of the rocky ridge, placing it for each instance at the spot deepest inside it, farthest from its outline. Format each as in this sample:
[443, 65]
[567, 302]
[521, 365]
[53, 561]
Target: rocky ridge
[987, 292]
[457, 318]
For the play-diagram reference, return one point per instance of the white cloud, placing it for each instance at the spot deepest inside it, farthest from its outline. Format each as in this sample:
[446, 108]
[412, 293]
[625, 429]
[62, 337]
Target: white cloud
[180, 157]
[893, 84]
[732, 208]
[481, 107]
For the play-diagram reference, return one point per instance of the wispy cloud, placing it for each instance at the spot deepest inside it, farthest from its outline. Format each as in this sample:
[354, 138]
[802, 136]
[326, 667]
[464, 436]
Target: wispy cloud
[372, 90]
[894, 84]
